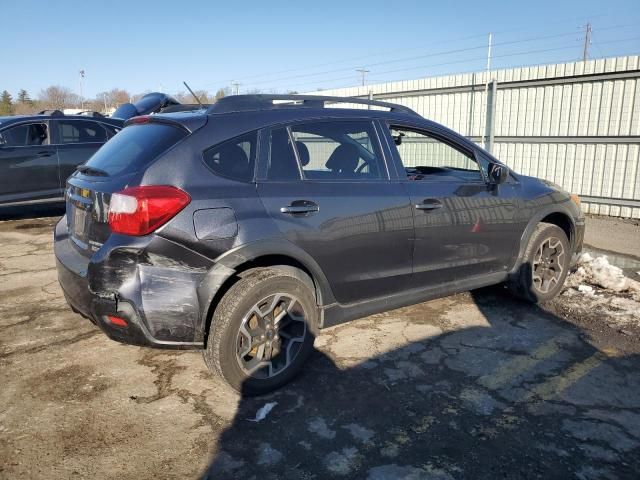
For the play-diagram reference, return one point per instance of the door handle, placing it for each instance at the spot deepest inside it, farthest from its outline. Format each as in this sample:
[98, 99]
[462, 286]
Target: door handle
[429, 204]
[300, 206]
[44, 154]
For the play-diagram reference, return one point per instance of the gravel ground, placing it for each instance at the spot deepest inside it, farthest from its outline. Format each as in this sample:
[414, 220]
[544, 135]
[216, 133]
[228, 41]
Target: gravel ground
[476, 385]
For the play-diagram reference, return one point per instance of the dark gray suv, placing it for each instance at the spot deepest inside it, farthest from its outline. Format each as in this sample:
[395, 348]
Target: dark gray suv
[244, 228]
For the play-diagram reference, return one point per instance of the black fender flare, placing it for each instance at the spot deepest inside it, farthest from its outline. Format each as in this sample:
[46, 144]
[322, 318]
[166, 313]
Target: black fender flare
[225, 267]
[534, 221]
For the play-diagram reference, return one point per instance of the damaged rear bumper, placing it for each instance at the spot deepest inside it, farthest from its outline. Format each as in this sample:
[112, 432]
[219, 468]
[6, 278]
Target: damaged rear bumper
[130, 279]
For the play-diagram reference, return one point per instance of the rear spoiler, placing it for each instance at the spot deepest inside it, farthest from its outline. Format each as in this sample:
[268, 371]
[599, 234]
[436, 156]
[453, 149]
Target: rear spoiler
[188, 124]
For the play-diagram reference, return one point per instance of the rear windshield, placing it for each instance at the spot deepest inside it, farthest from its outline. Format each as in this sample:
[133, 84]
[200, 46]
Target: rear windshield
[135, 147]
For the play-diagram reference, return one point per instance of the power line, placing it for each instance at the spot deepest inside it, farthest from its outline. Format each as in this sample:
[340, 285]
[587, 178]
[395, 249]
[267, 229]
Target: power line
[351, 59]
[504, 55]
[312, 74]
[402, 59]
[416, 57]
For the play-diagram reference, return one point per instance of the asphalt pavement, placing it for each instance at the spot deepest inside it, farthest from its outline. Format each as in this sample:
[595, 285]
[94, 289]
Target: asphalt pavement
[477, 385]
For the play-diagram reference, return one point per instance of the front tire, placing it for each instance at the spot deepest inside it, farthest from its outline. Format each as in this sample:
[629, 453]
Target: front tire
[263, 330]
[545, 265]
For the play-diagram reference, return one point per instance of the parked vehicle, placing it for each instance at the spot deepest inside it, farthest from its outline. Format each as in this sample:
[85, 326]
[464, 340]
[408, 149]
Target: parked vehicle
[39, 152]
[244, 229]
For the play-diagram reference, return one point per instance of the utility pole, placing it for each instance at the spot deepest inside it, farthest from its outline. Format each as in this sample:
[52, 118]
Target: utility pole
[236, 85]
[587, 42]
[81, 97]
[362, 72]
[106, 109]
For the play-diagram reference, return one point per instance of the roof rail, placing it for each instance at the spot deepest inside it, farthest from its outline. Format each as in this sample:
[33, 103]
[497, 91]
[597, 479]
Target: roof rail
[90, 113]
[183, 107]
[244, 103]
[53, 113]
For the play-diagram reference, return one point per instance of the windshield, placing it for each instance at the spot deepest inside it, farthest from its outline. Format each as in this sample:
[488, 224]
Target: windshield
[134, 148]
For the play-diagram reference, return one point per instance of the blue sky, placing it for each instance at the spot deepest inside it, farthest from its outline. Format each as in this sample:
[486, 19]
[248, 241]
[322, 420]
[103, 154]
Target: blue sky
[276, 45]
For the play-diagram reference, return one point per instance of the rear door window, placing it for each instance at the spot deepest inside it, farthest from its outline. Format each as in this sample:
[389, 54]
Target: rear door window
[25, 135]
[80, 131]
[135, 147]
[235, 158]
[283, 165]
[339, 150]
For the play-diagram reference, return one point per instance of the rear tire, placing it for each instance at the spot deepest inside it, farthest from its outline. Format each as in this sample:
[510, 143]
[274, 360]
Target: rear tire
[263, 330]
[545, 265]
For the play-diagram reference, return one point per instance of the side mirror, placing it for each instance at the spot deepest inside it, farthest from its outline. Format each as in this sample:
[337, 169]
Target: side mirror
[497, 173]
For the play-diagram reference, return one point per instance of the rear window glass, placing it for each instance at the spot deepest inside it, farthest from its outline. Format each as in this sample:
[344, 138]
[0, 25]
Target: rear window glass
[234, 158]
[80, 131]
[135, 147]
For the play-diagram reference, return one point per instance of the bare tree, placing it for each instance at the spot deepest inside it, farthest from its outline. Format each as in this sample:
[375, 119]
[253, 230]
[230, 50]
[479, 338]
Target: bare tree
[113, 99]
[57, 97]
[223, 92]
[186, 97]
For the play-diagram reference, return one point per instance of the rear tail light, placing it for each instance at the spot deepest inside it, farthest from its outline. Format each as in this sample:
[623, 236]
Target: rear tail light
[139, 120]
[141, 210]
[117, 321]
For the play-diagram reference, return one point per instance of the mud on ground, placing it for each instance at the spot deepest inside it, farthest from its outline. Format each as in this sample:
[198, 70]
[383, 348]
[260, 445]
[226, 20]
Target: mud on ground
[476, 385]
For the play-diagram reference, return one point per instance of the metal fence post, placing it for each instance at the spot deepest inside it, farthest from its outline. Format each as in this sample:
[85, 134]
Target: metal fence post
[491, 114]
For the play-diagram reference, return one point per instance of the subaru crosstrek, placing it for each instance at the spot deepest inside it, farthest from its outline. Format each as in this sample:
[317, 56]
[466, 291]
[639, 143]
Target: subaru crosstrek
[244, 228]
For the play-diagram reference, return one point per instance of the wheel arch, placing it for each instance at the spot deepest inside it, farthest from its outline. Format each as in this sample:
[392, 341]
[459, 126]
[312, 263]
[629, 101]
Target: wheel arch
[554, 214]
[229, 267]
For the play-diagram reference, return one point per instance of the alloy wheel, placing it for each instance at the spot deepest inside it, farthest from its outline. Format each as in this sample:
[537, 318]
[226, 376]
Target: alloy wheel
[271, 335]
[548, 264]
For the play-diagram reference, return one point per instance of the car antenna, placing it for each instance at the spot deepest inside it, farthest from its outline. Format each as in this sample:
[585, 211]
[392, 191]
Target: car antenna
[194, 95]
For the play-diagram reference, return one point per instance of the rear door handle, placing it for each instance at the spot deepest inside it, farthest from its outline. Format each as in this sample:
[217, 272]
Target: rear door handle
[44, 154]
[300, 206]
[429, 204]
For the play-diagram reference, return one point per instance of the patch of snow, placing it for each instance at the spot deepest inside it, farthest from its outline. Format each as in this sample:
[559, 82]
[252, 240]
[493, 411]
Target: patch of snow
[598, 271]
[267, 455]
[305, 445]
[341, 463]
[617, 298]
[318, 426]
[359, 432]
[263, 411]
[588, 289]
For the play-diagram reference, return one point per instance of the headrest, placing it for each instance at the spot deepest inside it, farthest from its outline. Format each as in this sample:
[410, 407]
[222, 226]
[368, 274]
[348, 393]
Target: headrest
[344, 158]
[303, 153]
[233, 160]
